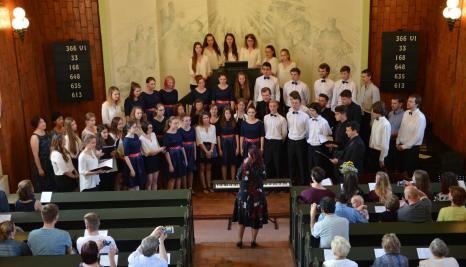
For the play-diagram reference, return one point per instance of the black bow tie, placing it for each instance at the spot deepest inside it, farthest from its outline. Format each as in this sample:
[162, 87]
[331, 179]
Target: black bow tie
[323, 80]
[295, 83]
[314, 119]
[410, 113]
[273, 115]
[295, 112]
[344, 81]
[266, 78]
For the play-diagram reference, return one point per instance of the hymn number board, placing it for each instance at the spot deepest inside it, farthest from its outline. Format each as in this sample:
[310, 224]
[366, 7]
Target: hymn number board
[73, 70]
[400, 60]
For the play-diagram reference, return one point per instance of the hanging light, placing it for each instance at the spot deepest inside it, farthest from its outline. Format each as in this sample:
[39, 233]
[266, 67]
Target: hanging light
[20, 23]
[452, 13]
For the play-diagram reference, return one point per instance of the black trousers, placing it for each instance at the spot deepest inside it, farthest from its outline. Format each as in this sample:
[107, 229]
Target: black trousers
[410, 160]
[272, 151]
[313, 158]
[366, 128]
[373, 161]
[107, 181]
[65, 183]
[297, 160]
[393, 160]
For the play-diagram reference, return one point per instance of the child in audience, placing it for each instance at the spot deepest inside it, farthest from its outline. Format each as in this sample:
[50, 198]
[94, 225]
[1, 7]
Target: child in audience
[358, 203]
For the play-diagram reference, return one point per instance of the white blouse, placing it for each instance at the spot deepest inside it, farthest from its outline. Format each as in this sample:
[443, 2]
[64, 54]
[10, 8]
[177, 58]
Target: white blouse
[109, 111]
[253, 57]
[86, 163]
[215, 60]
[202, 68]
[274, 63]
[230, 57]
[203, 136]
[60, 166]
[149, 145]
[283, 73]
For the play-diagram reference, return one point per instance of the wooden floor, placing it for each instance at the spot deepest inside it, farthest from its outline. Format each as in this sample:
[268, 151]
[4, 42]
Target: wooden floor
[216, 246]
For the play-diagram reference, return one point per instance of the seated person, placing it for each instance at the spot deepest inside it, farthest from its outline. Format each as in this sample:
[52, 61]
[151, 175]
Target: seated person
[90, 254]
[342, 210]
[331, 225]
[382, 190]
[457, 211]
[4, 206]
[48, 240]
[92, 223]
[358, 204]
[418, 207]
[26, 199]
[447, 179]
[145, 254]
[392, 204]
[439, 252]
[340, 249]
[392, 257]
[9, 247]
[316, 192]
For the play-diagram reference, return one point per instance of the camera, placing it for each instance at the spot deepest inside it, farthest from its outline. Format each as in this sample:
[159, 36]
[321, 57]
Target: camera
[168, 230]
[318, 207]
[106, 243]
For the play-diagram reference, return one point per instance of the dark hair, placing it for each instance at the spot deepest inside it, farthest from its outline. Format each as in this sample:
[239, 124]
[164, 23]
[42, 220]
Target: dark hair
[100, 141]
[149, 79]
[56, 115]
[252, 36]
[223, 121]
[345, 68]
[57, 144]
[194, 57]
[35, 121]
[447, 179]
[346, 93]
[368, 72]
[295, 95]
[245, 90]
[422, 181]
[255, 160]
[327, 204]
[25, 190]
[233, 46]
[6, 228]
[215, 45]
[398, 98]
[198, 78]
[287, 52]
[204, 113]
[354, 125]
[324, 66]
[317, 174]
[315, 106]
[341, 109]
[114, 125]
[297, 70]
[145, 126]
[89, 252]
[342, 198]
[324, 96]
[132, 88]
[267, 65]
[266, 89]
[379, 108]
[273, 50]
[350, 184]
[417, 99]
[458, 195]
[49, 213]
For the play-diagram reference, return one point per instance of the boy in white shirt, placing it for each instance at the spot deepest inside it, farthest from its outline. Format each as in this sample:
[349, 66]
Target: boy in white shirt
[324, 85]
[379, 142]
[266, 80]
[345, 83]
[295, 85]
[317, 132]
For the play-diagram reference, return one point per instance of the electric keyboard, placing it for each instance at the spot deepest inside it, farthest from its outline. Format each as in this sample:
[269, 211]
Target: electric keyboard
[269, 185]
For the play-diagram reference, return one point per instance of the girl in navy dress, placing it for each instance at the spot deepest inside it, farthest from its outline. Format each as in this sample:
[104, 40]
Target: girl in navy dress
[189, 143]
[134, 99]
[215, 120]
[228, 143]
[206, 139]
[222, 95]
[176, 156]
[252, 132]
[137, 115]
[179, 110]
[200, 92]
[242, 88]
[135, 174]
[117, 128]
[196, 111]
[169, 96]
[150, 98]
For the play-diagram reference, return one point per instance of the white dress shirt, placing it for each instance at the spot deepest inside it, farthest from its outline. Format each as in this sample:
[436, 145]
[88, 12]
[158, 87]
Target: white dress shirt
[339, 87]
[299, 86]
[271, 83]
[215, 60]
[203, 136]
[276, 127]
[412, 129]
[368, 95]
[326, 88]
[60, 166]
[274, 63]
[283, 73]
[297, 126]
[253, 57]
[109, 111]
[87, 163]
[202, 68]
[380, 136]
[318, 131]
[149, 145]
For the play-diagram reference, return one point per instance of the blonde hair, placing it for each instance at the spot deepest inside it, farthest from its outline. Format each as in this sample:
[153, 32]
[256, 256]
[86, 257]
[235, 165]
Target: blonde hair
[110, 92]
[391, 243]
[383, 188]
[340, 246]
[6, 228]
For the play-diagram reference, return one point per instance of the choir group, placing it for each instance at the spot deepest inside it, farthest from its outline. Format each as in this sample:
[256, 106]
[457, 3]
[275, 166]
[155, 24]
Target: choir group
[295, 130]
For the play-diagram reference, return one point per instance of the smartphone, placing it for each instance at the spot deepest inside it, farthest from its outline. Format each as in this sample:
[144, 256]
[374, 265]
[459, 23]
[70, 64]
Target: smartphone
[106, 243]
[168, 230]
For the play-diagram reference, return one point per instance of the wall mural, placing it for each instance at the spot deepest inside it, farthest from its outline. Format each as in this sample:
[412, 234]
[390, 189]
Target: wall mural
[155, 38]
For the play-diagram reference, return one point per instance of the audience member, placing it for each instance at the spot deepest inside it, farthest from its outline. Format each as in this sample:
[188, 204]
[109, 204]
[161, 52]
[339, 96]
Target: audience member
[92, 223]
[447, 179]
[4, 206]
[457, 211]
[392, 257]
[392, 204]
[439, 252]
[316, 192]
[342, 210]
[9, 247]
[49, 240]
[418, 207]
[145, 254]
[90, 254]
[26, 199]
[358, 204]
[340, 249]
[350, 185]
[331, 225]
[421, 180]
[382, 190]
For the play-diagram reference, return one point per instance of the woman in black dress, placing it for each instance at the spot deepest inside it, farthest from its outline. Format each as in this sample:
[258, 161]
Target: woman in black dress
[251, 205]
[40, 147]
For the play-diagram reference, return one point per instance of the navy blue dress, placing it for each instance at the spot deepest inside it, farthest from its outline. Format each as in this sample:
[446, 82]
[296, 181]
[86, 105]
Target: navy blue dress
[132, 148]
[158, 127]
[189, 142]
[131, 103]
[222, 97]
[228, 142]
[206, 98]
[174, 144]
[20, 206]
[149, 102]
[169, 100]
[252, 134]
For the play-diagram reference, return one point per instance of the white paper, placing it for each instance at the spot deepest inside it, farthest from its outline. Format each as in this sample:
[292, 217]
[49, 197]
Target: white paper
[379, 209]
[106, 163]
[461, 183]
[424, 253]
[328, 254]
[5, 217]
[326, 182]
[322, 139]
[46, 197]
[379, 252]
[371, 186]
[105, 260]
[101, 232]
[341, 186]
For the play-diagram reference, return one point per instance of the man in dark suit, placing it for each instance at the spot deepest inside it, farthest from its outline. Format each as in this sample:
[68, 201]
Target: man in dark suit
[262, 107]
[353, 110]
[326, 112]
[354, 149]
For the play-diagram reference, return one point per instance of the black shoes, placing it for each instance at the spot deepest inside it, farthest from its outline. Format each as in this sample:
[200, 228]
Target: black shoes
[253, 244]
[239, 244]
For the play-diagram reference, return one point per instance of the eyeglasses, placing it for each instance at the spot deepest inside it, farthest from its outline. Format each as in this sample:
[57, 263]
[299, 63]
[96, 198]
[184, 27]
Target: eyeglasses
[161, 110]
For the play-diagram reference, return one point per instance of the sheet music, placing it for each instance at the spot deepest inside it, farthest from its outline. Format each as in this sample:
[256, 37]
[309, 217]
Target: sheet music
[371, 186]
[328, 254]
[379, 209]
[379, 252]
[326, 182]
[5, 217]
[45, 197]
[461, 183]
[423, 253]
